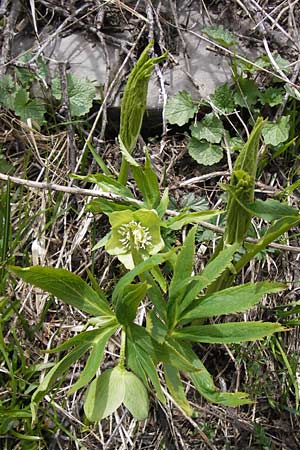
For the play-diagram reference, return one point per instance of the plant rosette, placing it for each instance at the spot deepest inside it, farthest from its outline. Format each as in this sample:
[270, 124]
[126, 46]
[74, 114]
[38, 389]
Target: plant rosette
[134, 234]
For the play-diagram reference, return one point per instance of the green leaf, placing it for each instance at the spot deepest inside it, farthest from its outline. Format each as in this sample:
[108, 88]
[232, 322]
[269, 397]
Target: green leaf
[247, 93]
[66, 286]
[102, 205]
[278, 228]
[204, 152]
[128, 303]
[271, 210]
[81, 94]
[126, 155]
[58, 370]
[276, 133]
[229, 333]
[182, 271]
[170, 352]
[136, 396]
[232, 300]
[140, 351]
[222, 98]
[27, 108]
[105, 394]
[180, 108]
[175, 388]
[210, 273]
[219, 34]
[272, 96]
[210, 128]
[204, 383]
[94, 360]
[147, 183]
[7, 92]
[155, 327]
[177, 222]
[164, 202]
[144, 266]
[105, 183]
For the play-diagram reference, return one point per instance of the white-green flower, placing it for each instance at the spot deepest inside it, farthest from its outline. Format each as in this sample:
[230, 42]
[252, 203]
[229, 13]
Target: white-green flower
[134, 229]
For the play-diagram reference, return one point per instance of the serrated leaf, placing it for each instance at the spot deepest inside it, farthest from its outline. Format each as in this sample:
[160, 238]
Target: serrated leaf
[204, 153]
[246, 93]
[210, 128]
[28, 109]
[229, 333]
[180, 108]
[105, 394]
[66, 286]
[81, 94]
[175, 388]
[271, 96]
[136, 397]
[232, 300]
[220, 35]
[271, 209]
[222, 98]
[276, 133]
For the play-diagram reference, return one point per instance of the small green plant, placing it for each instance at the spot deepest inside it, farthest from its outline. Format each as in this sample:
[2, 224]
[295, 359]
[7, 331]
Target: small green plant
[17, 93]
[184, 307]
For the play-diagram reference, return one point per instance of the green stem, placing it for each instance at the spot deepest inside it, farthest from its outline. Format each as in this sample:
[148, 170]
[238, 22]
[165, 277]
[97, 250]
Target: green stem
[122, 358]
[123, 174]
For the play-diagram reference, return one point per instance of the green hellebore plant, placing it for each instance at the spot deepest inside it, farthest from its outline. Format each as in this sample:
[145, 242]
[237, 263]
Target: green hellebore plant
[134, 236]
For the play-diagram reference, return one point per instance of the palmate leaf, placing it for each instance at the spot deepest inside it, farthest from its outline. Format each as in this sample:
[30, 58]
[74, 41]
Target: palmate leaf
[231, 300]
[228, 333]
[66, 286]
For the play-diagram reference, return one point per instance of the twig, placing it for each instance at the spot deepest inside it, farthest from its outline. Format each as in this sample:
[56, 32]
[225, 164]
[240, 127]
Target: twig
[121, 199]
[8, 34]
[65, 111]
